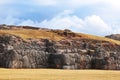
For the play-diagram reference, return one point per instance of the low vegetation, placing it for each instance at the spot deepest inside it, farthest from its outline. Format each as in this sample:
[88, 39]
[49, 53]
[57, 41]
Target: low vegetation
[29, 33]
[53, 74]
[36, 34]
[88, 36]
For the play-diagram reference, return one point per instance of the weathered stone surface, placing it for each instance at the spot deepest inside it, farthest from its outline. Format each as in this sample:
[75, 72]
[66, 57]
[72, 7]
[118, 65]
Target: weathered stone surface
[114, 36]
[64, 54]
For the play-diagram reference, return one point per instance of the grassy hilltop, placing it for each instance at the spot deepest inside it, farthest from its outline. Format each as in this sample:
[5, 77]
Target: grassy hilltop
[37, 34]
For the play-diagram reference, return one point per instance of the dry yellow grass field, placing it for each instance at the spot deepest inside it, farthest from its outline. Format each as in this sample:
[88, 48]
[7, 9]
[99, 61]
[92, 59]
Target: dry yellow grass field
[88, 36]
[30, 33]
[37, 34]
[57, 74]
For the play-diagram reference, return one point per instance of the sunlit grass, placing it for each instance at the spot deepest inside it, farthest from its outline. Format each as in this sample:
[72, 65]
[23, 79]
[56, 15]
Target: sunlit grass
[88, 36]
[37, 34]
[54, 74]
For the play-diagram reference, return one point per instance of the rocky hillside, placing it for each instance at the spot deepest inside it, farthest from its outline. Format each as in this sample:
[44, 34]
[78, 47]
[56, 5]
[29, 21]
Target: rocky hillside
[30, 47]
[114, 36]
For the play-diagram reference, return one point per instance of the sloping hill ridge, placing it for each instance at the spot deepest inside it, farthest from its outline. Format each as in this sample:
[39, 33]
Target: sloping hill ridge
[31, 47]
[114, 36]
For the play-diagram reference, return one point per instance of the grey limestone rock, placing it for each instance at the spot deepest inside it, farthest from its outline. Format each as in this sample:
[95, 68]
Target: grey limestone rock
[64, 54]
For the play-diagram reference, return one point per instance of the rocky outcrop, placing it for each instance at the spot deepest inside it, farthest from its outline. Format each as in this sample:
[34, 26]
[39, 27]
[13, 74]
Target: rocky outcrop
[65, 54]
[114, 36]
[17, 53]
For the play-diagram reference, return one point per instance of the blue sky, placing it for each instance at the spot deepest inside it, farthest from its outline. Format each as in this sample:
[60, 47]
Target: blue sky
[98, 17]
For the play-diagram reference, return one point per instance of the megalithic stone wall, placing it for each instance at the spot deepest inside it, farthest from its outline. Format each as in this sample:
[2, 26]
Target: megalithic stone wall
[65, 54]
[17, 53]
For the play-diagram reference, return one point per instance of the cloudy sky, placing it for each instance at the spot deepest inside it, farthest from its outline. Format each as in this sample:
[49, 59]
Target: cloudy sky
[98, 17]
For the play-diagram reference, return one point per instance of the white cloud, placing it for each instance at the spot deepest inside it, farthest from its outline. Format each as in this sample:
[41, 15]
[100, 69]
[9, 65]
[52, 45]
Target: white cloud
[62, 3]
[63, 20]
[44, 2]
[66, 20]
[90, 24]
[113, 3]
[96, 25]
[83, 2]
[76, 3]
[106, 13]
[109, 12]
[116, 31]
[110, 3]
[66, 2]
[9, 20]
[28, 22]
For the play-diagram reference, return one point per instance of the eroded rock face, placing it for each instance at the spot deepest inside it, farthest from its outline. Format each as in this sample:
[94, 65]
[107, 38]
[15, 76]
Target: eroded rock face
[65, 54]
[114, 36]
